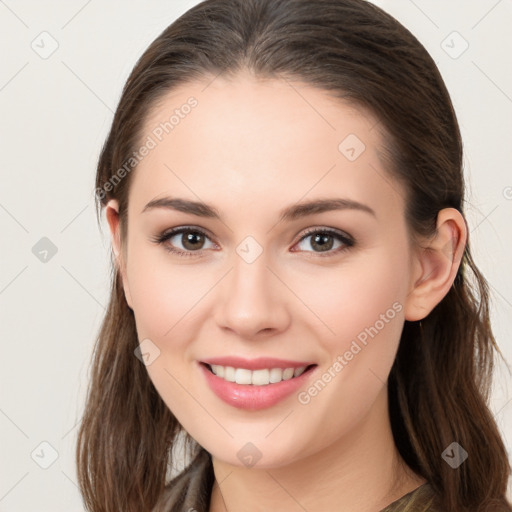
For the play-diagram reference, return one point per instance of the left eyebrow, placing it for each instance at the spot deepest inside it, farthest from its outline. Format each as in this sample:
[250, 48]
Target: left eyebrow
[290, 213]
[300, 210]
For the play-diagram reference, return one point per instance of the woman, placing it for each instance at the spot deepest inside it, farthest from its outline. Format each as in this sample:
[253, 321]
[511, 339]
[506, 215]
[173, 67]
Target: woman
[291, 298]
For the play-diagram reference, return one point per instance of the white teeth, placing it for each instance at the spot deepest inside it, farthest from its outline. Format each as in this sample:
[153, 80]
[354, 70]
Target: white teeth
[276, 375]
[229, 374]
[218, 370]
[288, 373]
[243, 376]
[256, 377]
[260, 377]
[299, 371]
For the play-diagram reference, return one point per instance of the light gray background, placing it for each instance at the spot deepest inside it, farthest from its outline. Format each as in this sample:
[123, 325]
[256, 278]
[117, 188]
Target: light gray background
[55, 114]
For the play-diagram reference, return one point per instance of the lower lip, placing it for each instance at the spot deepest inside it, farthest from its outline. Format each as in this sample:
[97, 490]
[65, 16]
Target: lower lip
[247, 396]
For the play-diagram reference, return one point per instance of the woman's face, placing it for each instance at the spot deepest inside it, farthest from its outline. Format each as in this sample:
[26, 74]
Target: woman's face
[253, 284]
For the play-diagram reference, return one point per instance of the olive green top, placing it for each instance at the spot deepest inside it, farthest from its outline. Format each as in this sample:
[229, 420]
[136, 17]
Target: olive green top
[190, 491]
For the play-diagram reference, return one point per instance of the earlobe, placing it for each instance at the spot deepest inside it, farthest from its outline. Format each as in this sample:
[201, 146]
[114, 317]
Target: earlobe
[112, 214]
[438, 264]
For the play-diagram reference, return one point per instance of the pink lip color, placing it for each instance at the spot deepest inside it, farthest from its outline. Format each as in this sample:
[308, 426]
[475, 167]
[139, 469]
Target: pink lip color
[247, 396]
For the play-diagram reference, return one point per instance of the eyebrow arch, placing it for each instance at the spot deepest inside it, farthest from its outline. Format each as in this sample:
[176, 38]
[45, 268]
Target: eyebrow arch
[290, 213]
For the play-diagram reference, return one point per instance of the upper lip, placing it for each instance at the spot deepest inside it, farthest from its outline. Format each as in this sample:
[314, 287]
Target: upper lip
[259, 363]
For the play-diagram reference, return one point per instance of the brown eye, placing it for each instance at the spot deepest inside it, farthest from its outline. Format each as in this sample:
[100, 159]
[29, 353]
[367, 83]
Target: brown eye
[191, 241]
[323, 241]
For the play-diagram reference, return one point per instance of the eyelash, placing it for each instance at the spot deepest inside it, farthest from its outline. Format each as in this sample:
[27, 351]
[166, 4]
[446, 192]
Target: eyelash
[164, 237]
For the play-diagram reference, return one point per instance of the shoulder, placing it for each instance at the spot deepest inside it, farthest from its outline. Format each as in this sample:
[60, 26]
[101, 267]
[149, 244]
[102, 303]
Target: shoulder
[421, 499]
[425, 499]
[191, 489]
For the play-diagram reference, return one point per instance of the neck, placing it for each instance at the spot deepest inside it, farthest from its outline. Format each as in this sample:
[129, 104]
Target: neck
[362, 471]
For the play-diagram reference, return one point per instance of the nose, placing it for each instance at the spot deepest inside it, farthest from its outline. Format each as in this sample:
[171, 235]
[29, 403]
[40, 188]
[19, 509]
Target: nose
[252, 300]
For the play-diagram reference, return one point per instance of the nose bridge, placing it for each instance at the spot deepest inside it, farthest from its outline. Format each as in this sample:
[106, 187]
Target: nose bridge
[250, 280]
[251, 298]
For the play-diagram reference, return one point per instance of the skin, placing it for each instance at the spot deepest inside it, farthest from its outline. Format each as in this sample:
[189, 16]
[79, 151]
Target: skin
[251, 148]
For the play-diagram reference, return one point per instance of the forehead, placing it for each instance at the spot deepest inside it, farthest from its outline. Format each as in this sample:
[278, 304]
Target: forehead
[230, 141]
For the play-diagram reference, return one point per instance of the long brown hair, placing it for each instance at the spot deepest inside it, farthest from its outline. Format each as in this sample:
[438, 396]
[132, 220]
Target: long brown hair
[440, 381]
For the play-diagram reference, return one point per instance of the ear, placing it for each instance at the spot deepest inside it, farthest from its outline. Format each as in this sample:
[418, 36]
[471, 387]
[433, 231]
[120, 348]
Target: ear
[112, 214]
[436, 265]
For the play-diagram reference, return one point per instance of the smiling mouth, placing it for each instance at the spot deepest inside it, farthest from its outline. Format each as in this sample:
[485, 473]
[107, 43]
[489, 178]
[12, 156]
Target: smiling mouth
[262, 377]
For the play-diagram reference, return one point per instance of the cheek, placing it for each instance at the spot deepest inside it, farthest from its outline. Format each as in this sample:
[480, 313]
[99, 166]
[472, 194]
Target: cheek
[164, 293]
[361, 304]
[362, 292]
[165, 297]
